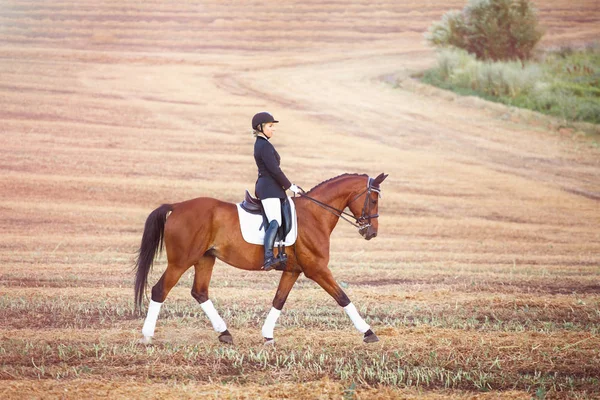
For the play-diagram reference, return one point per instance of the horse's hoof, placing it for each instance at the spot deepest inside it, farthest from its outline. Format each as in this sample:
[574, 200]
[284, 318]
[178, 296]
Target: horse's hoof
[269, 342]
[145, 340]
[370, 337]
[226, 337]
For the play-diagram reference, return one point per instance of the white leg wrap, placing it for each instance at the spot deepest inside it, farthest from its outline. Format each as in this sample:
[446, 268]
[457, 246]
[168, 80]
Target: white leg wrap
[357, 320]
[151, 317]
[269, 325]
[212, 314]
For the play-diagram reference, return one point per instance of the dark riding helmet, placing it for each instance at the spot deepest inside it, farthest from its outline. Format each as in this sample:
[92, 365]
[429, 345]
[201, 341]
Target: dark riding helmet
[262, 118]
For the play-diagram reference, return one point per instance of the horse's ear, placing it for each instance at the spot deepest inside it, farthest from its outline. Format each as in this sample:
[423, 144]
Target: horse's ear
[380, 178]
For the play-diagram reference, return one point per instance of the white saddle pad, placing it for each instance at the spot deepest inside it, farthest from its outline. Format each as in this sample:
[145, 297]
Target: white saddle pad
[252, 231]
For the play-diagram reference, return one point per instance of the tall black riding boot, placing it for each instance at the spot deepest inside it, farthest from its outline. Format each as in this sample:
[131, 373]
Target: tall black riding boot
[270, 260]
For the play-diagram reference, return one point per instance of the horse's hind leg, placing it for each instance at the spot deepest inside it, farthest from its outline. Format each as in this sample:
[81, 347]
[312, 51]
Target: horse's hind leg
[159, 293]
[202, 276]
[324, 278]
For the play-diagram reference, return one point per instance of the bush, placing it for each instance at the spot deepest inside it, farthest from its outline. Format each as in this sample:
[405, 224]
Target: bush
[509, 79]
[548, 87]
[490, 29]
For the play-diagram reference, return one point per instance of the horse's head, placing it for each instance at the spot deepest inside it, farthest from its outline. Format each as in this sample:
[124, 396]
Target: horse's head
[364, 206]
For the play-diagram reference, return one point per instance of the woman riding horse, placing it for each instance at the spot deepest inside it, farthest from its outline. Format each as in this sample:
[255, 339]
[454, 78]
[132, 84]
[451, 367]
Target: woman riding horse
[271, 183]
[198, 231]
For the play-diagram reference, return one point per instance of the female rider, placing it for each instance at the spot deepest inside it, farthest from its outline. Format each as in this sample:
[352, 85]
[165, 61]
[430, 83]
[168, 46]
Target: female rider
[271, 183]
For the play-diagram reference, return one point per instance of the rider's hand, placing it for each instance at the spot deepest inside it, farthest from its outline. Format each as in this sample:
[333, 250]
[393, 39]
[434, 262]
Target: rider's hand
[295, 189]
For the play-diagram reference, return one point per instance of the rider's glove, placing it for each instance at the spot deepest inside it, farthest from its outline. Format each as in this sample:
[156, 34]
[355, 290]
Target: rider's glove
[295, 189]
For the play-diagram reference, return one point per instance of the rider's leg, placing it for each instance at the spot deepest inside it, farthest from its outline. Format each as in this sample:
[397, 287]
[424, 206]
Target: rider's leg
[272, 207]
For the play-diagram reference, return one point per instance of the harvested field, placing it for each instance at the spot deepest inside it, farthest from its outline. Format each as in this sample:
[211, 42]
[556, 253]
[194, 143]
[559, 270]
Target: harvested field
[482, 283]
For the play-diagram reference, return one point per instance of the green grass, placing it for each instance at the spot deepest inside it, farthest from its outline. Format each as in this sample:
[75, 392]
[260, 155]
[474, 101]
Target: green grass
[405, 367]
[532, 329]
[500, 314]
[564, 83]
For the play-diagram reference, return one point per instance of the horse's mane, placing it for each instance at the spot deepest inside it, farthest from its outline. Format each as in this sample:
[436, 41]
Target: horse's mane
[331, 179]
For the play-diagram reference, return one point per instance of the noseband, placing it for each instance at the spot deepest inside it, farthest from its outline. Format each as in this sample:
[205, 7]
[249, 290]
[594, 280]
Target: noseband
[365, 217]
[364, 221]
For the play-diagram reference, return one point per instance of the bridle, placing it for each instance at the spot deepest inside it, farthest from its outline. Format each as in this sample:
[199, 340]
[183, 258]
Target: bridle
[364, 221]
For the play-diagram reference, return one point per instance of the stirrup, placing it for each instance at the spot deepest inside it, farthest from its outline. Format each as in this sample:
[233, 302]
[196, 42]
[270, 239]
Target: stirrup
[282, 265]
[271, 263]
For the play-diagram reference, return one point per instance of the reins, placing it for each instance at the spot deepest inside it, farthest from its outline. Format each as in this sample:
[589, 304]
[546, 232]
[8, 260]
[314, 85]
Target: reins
[358, 222]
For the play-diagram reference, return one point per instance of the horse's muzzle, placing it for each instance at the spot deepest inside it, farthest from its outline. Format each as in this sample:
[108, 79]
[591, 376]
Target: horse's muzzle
[368, 232]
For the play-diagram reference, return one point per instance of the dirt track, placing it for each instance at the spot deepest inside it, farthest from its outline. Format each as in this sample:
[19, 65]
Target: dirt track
[107, 111]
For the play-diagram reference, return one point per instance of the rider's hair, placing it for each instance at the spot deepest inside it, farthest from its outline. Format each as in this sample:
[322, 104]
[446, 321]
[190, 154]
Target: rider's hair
[256, 133]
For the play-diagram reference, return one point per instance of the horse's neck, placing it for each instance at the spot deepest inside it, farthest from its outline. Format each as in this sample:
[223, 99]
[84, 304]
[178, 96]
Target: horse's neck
[335, 197]
[337, 200]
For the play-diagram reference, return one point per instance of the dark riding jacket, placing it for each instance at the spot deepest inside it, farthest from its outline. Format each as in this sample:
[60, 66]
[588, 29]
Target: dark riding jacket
[271, 182]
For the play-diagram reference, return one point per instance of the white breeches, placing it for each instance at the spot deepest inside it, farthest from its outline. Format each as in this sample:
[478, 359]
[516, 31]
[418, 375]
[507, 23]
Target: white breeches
[272, 208]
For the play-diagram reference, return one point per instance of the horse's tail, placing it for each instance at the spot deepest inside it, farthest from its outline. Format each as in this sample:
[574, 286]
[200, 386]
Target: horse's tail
[152, 240]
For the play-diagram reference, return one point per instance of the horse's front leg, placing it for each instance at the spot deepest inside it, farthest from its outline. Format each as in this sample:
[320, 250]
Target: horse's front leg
[285, 285]
[324, 278]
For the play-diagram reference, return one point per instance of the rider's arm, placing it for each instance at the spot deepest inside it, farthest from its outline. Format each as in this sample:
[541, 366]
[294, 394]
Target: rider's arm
[268, 156]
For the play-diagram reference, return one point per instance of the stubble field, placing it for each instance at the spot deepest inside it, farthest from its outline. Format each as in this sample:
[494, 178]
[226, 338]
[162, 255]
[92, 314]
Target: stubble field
[483, 280]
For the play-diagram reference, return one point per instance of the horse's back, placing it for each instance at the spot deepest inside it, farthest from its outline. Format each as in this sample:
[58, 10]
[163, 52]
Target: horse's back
[201, 207]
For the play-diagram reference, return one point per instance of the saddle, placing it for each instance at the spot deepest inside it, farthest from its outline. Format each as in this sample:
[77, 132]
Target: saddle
[254, 206]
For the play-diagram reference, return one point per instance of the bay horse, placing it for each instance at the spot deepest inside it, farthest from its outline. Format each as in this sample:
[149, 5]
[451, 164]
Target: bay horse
[198, 231]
